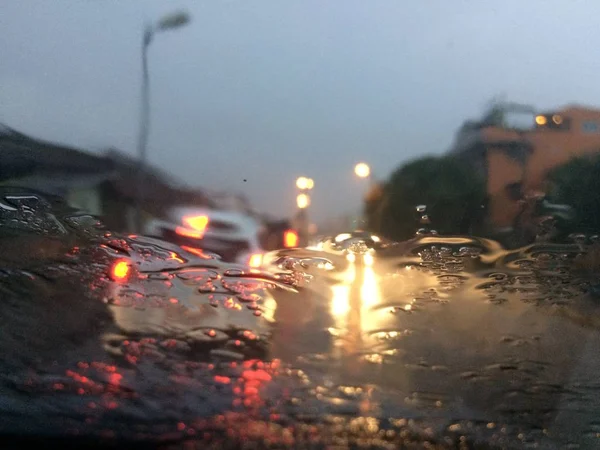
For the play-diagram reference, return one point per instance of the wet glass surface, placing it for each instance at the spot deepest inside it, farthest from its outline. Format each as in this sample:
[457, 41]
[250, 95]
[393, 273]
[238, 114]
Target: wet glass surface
[354, 341]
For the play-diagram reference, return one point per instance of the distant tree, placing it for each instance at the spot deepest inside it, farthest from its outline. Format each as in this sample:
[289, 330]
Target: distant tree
[577, 184]
[452, 191]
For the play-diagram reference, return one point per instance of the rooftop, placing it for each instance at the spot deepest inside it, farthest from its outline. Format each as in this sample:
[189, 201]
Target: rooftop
[22, 155]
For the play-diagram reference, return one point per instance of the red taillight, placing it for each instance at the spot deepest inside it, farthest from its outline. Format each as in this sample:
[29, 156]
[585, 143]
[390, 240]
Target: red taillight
[181, 231]
[255, 260]
[195, 226]
[196, 223]
[290, 239]
[120, 271]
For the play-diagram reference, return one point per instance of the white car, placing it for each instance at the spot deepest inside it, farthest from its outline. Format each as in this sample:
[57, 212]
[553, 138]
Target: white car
[231, 235]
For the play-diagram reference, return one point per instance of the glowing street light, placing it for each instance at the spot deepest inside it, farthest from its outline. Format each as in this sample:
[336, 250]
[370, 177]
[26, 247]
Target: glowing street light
[304, 183]
[362, 170]
[303, 201]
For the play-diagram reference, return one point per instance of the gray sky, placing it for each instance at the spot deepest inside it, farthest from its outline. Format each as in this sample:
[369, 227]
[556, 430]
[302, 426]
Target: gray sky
[267, 90]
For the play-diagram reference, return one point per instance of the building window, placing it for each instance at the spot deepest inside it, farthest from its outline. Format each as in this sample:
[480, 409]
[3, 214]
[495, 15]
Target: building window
[590, 127]
[515, 191]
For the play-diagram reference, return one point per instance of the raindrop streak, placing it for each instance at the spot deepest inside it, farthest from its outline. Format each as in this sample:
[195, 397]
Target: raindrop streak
[423, 222]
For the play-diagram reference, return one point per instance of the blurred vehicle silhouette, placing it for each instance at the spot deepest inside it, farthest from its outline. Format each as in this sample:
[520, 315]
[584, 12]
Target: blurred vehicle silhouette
[231, 235]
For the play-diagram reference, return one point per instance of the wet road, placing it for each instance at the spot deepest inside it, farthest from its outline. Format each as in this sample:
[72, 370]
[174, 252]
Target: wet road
[448, 340]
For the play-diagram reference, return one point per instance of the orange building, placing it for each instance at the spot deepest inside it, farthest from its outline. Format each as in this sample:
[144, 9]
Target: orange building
[514, 148]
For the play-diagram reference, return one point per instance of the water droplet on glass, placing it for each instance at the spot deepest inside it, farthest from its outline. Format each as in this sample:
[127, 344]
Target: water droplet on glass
[234, 273]
[206, 287]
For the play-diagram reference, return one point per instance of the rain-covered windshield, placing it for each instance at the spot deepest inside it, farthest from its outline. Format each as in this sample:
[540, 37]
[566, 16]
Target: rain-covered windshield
[299, 225]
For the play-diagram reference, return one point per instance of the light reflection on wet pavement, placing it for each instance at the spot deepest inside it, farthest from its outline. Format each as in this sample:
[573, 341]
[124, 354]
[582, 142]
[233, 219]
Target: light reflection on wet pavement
[452, 341]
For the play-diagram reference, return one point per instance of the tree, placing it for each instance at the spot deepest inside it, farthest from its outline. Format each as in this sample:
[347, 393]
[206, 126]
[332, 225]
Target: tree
[452, 191]
[577, 184]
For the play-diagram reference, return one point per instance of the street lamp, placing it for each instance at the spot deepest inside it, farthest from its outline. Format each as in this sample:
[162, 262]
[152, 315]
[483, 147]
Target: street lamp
[303, 201]
[168, 22]
[174, 20]
[304, 184]
[362, 170]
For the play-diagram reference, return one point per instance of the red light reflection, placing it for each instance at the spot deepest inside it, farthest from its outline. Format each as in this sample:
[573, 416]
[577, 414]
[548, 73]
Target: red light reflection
[196, 251]
[120, 271]
[176, 257]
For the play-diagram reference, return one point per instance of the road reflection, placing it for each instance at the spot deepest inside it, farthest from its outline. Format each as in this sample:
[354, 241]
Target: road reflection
[394, 335]
[352, 299]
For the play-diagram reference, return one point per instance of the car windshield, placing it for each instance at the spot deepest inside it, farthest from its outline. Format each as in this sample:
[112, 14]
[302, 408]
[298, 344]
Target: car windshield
[299, 225]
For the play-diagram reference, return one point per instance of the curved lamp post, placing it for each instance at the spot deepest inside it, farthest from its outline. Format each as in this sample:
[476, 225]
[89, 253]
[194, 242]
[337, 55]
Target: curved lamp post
[168, 22]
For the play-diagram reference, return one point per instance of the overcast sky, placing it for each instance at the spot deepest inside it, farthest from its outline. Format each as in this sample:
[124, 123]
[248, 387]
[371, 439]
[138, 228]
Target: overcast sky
[267, 90]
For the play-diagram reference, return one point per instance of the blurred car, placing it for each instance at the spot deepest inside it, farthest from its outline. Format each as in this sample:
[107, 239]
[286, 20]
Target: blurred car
[231, 235]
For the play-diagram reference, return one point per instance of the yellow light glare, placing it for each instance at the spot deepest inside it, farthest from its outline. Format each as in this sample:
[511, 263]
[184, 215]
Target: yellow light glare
[362, 170]
[340, 300]
[342, 237]
[302, 183]
[369, 290]
[303, 201]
